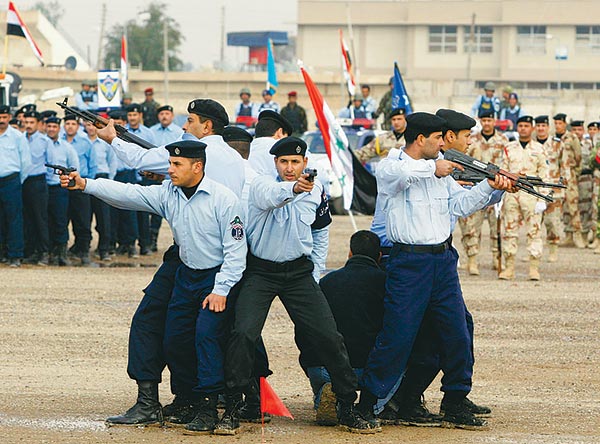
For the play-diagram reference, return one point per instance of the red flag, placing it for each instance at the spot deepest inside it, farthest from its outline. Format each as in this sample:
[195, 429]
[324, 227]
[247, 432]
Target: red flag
[124, 72]
[16, 26]
[270, 402]
[347, 66]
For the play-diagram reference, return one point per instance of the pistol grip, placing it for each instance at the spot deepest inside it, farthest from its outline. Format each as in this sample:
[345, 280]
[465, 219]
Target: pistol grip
[71, 182]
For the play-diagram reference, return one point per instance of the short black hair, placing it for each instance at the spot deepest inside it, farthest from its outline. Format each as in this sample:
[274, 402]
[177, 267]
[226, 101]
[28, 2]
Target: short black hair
[364, 85]
[366, 243]
[266, 128]
[201, 158]
[218, 127]
[411, 136]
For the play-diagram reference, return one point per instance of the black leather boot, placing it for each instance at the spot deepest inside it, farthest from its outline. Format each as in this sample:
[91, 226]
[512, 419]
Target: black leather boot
[250, 410]
[147, 411]
[230, 421]
[206, 417]
[180, 412]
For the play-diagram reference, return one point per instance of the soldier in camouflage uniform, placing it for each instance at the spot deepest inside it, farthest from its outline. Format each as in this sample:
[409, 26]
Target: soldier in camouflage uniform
[571, 214]
[487, 146]
[554, 150]
[385, 107]
[525, 157]
[594, 131]
[585, 182]
[381, 145]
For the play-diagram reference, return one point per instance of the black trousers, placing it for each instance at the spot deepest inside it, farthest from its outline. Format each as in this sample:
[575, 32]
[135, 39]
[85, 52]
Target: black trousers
[35, 213]
[124, 225]
[101, 210]
[80, 213]
[308, 309]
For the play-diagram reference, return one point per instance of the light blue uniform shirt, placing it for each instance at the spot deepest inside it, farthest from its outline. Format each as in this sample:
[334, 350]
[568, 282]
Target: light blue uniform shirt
[164, 135]
[87, 157]
[142, 131]
[15, 156]
[39, 144]
[419, 207]
[62, 153]
[279, 221]
[208, 227]
[223, 163]
[106, 161]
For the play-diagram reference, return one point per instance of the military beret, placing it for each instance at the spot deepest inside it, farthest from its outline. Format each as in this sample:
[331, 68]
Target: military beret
[560, 116]
[513, 96]
[456, 121]
[292, 94]
[70, 117]
[276, 117]
[149, 91]
[397, 112]
[33, 114]
[4, 109]
[542, 119]
[527, 119]
[53, 119]
[47, 113]
[134, 108]
[577, 123]
[210, 109]
[186, 148]
[117, 114]
[14, 121]
[289, 146]
[28, 107]
[236, 134]
[483, 113]
[423, 123]
[594, 125]
[164, 108]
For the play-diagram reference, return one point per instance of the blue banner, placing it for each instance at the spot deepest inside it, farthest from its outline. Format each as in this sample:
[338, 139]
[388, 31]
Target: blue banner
[400, 97]
[271, 72]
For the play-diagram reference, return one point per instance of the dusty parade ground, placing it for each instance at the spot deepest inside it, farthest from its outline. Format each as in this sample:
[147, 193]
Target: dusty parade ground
[64, 352]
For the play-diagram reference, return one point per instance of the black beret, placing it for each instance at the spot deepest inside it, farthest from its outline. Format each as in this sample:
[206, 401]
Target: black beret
[117, 114]
[4, 109]
[70, 117]
[186, 148]
[33, 114]
[164, 108]
[14, 121]
[284, 123]
[423, 123]
[53, 119]
[456, 121]
[236, 134]
[289, 146]
[47, 113]
[542, 119]
[483, 113]
[527, 119]
[594, 125]
[134, 108]
[210, 109]
[28, 107]
[560, 116]
[397, 112]
[577, 123]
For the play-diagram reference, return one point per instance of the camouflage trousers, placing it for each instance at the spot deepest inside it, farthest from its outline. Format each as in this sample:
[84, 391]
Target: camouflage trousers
[553, 221]
[588, 219]
[519, 208]
[594, 211]
[571, 216]
[470, 228]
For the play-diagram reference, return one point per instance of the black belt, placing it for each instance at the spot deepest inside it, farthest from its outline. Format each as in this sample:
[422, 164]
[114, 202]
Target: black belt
[37, 177]
[9, 177]
[254, 261]
[433, 249]
[101, 176]
[587, 171]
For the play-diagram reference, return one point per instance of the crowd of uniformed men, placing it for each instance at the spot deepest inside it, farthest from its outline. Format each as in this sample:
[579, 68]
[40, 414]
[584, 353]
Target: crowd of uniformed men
[385, 324]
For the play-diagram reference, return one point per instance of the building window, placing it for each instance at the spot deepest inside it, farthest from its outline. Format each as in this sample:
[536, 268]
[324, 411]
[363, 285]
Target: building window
[483, 39]
[588, 37]
[531, 40]
[442, 39]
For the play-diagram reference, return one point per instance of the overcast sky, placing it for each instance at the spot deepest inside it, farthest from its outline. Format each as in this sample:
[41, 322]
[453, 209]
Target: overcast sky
[200, 22]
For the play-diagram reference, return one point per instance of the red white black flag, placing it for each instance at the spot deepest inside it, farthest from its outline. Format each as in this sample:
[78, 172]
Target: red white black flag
[16, 26]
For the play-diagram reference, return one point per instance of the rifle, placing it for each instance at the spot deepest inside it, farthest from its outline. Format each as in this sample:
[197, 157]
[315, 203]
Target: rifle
[489, 171]
[470, 176]
[60, 170]
[100, 122]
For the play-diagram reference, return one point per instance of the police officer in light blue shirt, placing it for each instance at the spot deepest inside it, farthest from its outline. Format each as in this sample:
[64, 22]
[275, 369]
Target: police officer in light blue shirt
[206, 220]
[165, 131]
[15, 161]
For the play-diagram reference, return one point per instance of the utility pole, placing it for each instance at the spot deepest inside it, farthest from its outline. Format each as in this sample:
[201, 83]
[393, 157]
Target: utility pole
[166, 57]
[101, 38]
[471, 46]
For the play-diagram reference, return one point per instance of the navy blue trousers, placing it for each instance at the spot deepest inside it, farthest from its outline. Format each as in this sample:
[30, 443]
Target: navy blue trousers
[80, 214]
[35, 215]
[58, 215]
[11, 201]
[101, 210]
[191, 331]
[418, 282]
[124, 222]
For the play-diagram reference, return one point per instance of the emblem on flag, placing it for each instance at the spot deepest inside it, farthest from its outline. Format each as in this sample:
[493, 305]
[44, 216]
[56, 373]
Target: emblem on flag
[109, 86]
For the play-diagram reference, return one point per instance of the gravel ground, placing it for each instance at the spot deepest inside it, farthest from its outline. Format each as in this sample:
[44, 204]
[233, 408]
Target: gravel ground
[64, 354]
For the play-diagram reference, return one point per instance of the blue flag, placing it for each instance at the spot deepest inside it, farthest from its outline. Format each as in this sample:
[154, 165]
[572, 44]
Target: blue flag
[271, 72]
[399, 95]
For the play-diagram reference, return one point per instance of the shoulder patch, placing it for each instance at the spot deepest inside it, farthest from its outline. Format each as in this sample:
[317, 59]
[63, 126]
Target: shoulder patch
[237, 228]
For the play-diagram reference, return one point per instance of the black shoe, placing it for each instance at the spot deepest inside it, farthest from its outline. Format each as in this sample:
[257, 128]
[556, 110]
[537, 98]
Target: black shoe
[416, 414]
[230, 421]
[353, 420]
[477, 410]
[154, 246]
[31, 259]
[14, 262]
[388, 416]
[252, 413]
[180, 412]
[206, 417]
[61, 256]
[144, 251]
[43, 259]
[122, 249]
[147, 411]
[85, 260]
[458, 416]
[132, 252]
[105, 256]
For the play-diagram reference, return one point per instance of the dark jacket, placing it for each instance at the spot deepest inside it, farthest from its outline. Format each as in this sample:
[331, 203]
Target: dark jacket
[355, 294]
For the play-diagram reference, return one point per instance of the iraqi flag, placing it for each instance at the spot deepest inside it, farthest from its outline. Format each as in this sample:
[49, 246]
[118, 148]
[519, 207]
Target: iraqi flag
[16, 26]
[124, 77]
[335, 140]
[347, 67]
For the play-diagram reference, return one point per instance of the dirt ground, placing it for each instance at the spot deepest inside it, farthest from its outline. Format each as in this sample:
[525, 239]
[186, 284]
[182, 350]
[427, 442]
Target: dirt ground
[63, 352]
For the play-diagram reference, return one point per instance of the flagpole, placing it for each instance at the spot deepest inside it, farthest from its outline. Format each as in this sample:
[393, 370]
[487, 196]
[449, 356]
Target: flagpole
[352, 220]
[5, 56]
